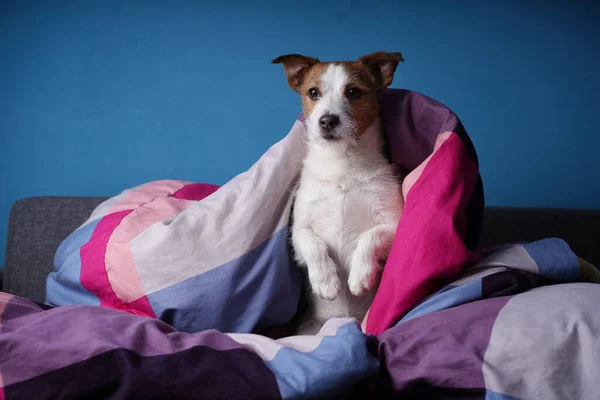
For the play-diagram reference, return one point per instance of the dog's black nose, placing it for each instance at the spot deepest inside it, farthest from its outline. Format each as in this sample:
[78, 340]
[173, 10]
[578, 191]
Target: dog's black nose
[329, 121]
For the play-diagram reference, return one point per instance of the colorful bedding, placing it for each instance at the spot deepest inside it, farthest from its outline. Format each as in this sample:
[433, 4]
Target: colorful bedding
[189, 274]
[514, 326]
[194, 255]
[202, 257]
[85, 352]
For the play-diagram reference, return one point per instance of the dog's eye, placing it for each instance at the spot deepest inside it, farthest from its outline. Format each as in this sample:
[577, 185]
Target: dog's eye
[353, 93]
[313, 93]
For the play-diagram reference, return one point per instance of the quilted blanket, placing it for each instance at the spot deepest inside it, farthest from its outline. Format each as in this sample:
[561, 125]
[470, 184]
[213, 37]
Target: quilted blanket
[196, 291]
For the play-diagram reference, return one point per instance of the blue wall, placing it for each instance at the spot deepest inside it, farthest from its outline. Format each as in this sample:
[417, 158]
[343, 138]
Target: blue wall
[97, 96]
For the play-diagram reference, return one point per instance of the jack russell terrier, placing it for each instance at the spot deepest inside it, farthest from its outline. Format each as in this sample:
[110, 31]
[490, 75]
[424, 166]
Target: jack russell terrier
[348, 201]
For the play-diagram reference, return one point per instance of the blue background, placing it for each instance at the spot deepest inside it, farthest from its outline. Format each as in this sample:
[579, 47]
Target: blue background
[98, 96]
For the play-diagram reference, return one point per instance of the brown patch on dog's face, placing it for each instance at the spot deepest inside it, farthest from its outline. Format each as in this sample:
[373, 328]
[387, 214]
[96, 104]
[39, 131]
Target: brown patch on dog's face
[311, 81]
[340, 99]
[364, 105]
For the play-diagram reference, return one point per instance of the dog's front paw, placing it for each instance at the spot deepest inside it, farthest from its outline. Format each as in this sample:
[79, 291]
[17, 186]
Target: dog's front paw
[324, 280]
[363, 274]
[327, 288]
[361, 282]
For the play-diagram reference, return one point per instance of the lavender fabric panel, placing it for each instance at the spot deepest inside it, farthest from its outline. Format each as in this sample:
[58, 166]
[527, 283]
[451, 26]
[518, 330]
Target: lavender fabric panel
[444, 349]
[37, 342]
[546, 344]
[417, 120]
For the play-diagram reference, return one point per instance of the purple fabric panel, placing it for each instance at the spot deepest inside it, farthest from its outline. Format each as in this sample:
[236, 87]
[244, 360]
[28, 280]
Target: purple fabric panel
[16, 307]
[40, 342]
[195, 373]
[412, 123]
[444, 349]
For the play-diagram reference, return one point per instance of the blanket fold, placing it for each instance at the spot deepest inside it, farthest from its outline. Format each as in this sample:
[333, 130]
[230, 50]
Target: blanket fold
[483, 336]
[442, 216]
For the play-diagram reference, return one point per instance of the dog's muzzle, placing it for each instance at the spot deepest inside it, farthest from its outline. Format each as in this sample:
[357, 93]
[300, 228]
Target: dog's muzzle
[328, 124]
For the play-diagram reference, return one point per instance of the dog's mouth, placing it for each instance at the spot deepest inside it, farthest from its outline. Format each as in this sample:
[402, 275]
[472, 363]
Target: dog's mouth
[336, 135]
[336, 128]
[331, 135]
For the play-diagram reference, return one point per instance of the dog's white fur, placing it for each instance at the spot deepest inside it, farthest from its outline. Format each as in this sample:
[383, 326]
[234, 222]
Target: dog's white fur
[346, 210]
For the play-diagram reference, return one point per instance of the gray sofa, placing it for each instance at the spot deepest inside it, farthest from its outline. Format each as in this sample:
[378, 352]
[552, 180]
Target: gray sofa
[38, 225]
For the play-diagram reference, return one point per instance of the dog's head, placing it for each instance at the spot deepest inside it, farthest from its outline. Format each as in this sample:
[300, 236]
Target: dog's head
[340, 99]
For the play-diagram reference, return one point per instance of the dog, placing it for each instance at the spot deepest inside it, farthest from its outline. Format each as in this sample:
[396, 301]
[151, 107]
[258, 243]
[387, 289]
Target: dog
[348, 201]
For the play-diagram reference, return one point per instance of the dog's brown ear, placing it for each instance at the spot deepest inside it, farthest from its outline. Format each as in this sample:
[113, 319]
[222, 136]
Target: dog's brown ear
[295, 67]
[382, 66]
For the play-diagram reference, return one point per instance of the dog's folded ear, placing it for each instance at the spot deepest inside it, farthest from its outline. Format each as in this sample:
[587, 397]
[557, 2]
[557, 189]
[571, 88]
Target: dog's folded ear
[295, 67]
[382, 66]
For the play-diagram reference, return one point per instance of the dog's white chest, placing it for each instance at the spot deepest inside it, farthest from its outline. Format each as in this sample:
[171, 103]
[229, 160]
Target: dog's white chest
[338, 211]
